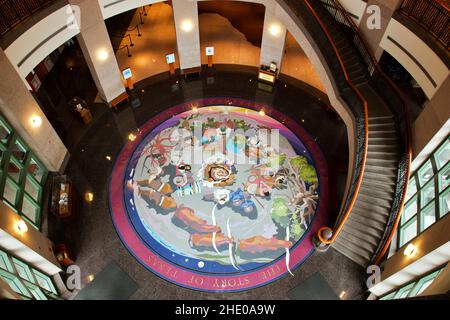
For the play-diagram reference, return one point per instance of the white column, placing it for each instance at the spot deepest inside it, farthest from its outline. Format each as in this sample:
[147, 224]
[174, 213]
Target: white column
[273, 39]
[185, 13]
[19, 107]
[97, 49]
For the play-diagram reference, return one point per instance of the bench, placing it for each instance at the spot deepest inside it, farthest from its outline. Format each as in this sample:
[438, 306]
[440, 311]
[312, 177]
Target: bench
[191, 73]
[121, 98]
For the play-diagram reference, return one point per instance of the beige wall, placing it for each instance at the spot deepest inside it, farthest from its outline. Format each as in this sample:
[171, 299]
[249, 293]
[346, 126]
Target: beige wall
[40, 32]
[18, 106]
[424, 55]
[432, 125]
[374, 36]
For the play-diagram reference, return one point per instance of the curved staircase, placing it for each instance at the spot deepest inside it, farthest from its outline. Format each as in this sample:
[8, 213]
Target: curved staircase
[371, 211]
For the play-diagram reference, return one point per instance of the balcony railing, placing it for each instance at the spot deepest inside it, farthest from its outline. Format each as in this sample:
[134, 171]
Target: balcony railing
[14, 12]
[432, 15]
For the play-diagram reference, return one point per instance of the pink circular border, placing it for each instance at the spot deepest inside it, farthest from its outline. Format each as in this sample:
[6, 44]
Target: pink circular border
[195, 280]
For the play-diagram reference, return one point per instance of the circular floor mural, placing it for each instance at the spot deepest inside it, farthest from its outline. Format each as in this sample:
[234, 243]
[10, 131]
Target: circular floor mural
[219, 194]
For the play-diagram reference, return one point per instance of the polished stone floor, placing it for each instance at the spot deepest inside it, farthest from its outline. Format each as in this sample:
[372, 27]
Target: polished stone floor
[229, 36]
[90, 234]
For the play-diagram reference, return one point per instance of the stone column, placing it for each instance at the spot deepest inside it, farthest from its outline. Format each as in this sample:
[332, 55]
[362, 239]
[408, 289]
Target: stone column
[19, 106]
[97, 50]
[374, 37]
[185, 14]
[273, 39]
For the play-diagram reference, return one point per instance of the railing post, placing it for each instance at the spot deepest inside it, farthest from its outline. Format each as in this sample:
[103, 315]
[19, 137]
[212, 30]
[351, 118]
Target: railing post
[131, 41]
[325, 234]
[139, 31]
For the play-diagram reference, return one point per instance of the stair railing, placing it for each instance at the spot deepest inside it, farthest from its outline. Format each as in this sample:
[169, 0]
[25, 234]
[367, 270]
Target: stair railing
[355, 101]
[432, 16]
[395, 100]
[14, 12]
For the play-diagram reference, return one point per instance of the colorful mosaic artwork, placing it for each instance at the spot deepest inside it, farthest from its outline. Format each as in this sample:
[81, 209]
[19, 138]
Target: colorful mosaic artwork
[219, 195]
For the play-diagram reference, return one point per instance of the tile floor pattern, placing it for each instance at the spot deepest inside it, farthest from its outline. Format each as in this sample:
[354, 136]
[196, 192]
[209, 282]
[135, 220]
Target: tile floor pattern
[91, 235]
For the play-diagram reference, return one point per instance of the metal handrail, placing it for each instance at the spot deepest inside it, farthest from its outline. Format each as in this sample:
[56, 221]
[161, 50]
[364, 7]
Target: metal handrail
[14, 12]
[432, 16]
[393, 97]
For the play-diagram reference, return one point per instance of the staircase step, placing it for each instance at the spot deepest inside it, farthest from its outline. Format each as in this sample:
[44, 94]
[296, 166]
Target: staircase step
[382, 134]
[383, 155]
[373, 200]
[363, 248]
[384, 148]
[363, 206]
[355, 257]
[379, 178]
[381, 120]
[357, 236]
[377, 185]
[379, 169]
[369, 221]
[364, 228]
[378, 193]
[381, 126]
[387, 163]
[370, 215]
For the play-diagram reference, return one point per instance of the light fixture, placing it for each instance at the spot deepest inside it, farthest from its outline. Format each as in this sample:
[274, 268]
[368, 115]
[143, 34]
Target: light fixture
[90, 278]
[275, 30]
[410, 250]
[194, 109]
[36, 121]
[343, 295]
[102, 55]
[132, 137]
[262, 113]
[187, 25]
[89, 196]
[108, 158]
[22, 226]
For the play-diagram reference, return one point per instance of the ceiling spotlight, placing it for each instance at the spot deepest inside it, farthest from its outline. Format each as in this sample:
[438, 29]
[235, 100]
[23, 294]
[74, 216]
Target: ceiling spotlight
[36, 121]
[194, 109]
[108, 158]
[343, 295]
[90, 278]
[262, 113]
[410, 250]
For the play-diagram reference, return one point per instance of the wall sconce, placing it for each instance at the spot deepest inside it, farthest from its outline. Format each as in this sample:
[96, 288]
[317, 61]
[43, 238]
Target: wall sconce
[410, 250]
[89, 196]
[22, 226]
[102, 55]
[187, 25]
[275, 30]
[36, 121]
